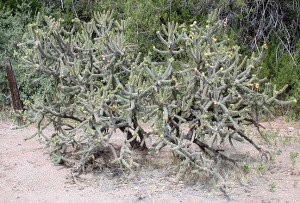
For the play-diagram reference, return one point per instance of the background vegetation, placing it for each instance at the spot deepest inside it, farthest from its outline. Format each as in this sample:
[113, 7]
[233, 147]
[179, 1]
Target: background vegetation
[249, 24]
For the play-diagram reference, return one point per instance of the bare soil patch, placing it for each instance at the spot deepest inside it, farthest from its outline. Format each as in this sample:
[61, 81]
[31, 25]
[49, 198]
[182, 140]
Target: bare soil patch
[27, 174]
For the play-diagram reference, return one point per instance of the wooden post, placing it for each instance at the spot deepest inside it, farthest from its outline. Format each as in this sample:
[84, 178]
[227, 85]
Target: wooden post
[17, 104]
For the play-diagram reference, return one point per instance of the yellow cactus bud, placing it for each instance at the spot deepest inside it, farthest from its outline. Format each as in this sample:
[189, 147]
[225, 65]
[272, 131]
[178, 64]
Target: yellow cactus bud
[161, 136]
[265, 46]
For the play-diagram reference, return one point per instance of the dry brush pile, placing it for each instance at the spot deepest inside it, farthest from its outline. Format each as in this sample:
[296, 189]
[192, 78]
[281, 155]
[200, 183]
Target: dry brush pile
[101, 83]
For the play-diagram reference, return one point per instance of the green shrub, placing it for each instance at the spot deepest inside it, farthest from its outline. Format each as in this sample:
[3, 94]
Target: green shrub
[11, 31]
[12, 28]
[281, 69]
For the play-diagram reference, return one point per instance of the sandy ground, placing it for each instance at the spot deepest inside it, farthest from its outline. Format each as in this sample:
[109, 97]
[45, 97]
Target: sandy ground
[27, 175]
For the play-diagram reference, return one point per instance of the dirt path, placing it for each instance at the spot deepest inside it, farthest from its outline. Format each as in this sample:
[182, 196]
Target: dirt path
[27, 175]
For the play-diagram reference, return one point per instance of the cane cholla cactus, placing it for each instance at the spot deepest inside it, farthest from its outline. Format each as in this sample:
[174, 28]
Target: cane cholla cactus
[89, 67]
[211, 86]
[101, 83]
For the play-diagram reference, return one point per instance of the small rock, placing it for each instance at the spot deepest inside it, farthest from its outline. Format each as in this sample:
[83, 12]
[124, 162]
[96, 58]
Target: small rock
[290, 129]
[13, 126]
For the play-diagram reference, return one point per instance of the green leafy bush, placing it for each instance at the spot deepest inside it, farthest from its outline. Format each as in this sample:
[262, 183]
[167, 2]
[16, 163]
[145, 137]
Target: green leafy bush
[282, 69]
[12, 28]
